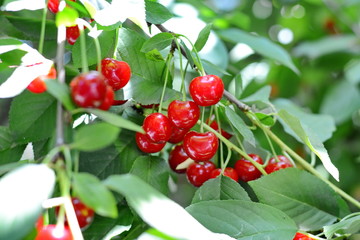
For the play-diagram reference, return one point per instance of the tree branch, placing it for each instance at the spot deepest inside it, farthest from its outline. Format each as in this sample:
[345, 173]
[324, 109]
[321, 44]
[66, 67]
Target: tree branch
[242, 106]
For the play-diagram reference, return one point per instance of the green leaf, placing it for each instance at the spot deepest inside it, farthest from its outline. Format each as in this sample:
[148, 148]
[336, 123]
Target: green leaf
[146, 92]
[349, 225]
[260, 97]
[4, 168]
[156, 13]
[310, 138]
[244, 220]
[23, 191]
[95, 136]
[61, 92]
[94, 194]
[34, 122]
[211, 68]
[321, 124]
[260, 45]
[240, 126]
[157, 210]
[302, 196]
[341, 101]
[107, 40]
[128, 49]
[159, 42]
[203, 37]
[265, 119]
[154, 55]
[220, 188]
[153, 170]
[67, 17]
[5, 138]
[116, 120]
[12, 154]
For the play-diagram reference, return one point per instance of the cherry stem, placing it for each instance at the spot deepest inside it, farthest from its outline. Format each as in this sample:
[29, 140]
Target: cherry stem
[42, 31]
[271, 146]
[226, 161]
[167, 69]
[303, 162]
[219, 130]
[84, 63]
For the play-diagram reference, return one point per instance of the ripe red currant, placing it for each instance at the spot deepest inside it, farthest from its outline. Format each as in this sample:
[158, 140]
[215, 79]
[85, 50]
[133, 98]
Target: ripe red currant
[300, 236]
[183, 114]
[88, 90]
[177, 156]
[157, 127]
[38, 85]
[117, 73]
[246, 170]
[177, 134]
[146, 145]
[200, 146]
[52, 232]
[108, 100]
[198, 173]
[206, 90]
[273, 165]
[72, 34]
[229, 172]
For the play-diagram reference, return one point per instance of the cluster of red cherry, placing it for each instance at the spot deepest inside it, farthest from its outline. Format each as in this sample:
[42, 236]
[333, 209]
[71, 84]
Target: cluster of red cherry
[84, 216]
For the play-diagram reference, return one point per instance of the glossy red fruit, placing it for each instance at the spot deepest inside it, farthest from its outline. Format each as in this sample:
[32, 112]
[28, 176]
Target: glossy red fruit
[72, 34]
[214, 125]
[206, 90]
[51, 232]
[39, 223]
[38, 85]
[146, 145]
[229, 172]
[108, 100]
[119, 102]
[183, 114]
[200, 146]
[84, 214]
[177, 156]
[273, 165]
[53, 5]
[88, 90]
[117, 73]
[300, 236]
[246, 170]
[198, 173]
[157, 127]
[177, 134]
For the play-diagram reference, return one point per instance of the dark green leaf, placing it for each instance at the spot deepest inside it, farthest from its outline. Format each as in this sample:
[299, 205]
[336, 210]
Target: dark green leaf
[260, 97]
[157, 210]
[154, 171]
[12, 57]
[349, 225]
[23, 191]
[203, 37]
[61, 92]
[95, 136]
[94, 194]
[156, 13]
[240, 125]
[32, 116]
[116, 120]
[154, 55]
[244, 220]
[12, 154]
[305, 198]
[67, 17]
[220, 188]
[265, 119]
[107, 41]
[6, 138]
[128, 49]
[159, 42]
[261, 45]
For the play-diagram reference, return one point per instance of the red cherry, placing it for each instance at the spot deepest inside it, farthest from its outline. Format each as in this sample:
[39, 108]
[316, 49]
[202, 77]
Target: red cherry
[246, 170]
[300, 236]
[39, 223]
[38, 85]
[51, 232]
[183, 114]
[72, 34]
[53, 5]
[158, 127]
[273, 165]
[177, 135]
[117, 73]
[229, 172]
[214, 125]
[108, 100]
[146, 145]
[198, 173]
[119, 102]
[177, 156]
[84, 214]
[206, 90]
[88, 90]
[200, 146]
